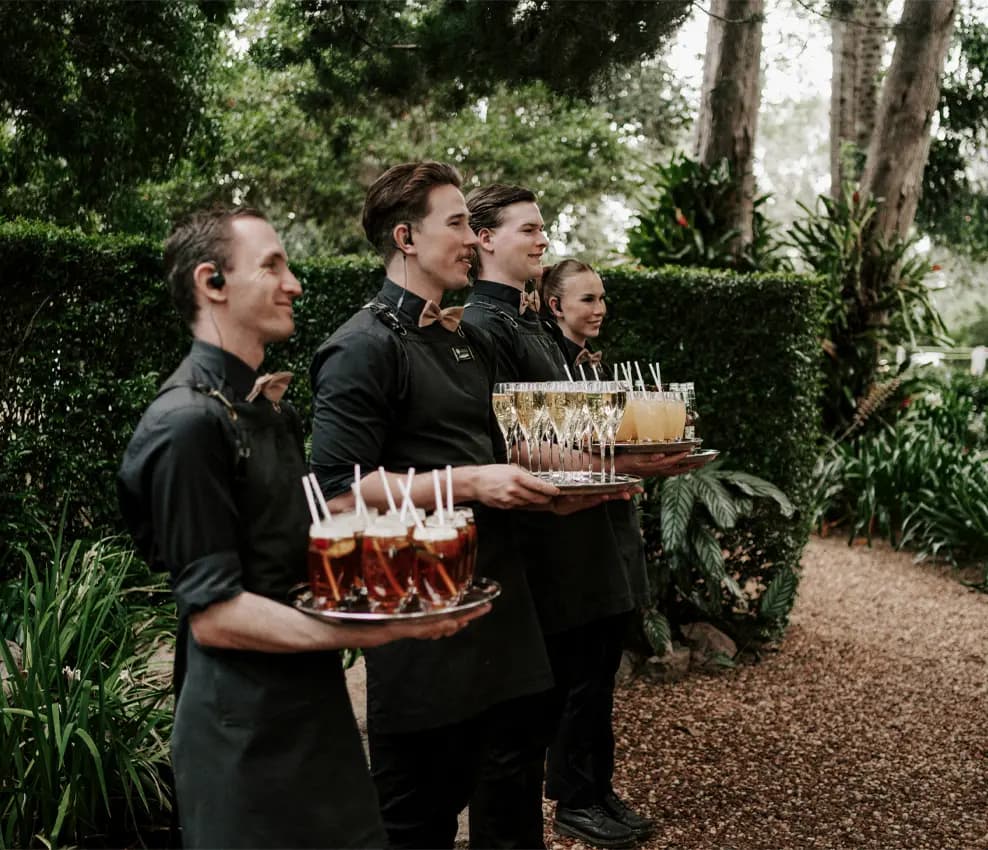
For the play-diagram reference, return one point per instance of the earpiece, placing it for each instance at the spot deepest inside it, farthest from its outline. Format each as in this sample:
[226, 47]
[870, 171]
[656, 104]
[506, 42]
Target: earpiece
[216, 279]
[408, 233]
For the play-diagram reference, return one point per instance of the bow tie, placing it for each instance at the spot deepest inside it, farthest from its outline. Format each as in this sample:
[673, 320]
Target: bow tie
[586, 356]
[272, 386]
[448, 318]
[529, 300]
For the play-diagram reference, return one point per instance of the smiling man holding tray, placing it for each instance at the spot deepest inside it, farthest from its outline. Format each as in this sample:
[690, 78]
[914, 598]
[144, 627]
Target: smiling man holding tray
[265, 747]
[402, 384]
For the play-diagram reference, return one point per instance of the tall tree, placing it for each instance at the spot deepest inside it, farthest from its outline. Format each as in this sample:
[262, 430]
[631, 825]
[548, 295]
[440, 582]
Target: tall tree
[900, 143]
[859, 31]
[96, 95]
[729, 104]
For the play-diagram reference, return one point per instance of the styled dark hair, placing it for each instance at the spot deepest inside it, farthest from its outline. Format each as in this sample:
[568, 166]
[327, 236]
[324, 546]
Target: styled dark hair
[553, 282]
[202, 236]
[399, 195]
[487, 203]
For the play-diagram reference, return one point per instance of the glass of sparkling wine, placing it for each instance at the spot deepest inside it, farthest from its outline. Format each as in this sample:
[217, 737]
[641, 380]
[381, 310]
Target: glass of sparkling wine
[504, 411]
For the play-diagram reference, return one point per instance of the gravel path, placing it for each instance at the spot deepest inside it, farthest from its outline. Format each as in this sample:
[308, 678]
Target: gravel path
[868, 729]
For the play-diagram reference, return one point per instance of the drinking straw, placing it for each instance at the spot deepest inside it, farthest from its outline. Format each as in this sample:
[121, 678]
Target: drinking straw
[439, 496]
[658, 375]
[320, 498]
[382, 561]
[449, 489]
[593, 368]
[617, 374]
[308, 497]
[655, 377]
[641, 380]
[387, 490]
[356, 490]
[568, 373]
[582, 373]
[627, 374]
[406, 492]
[327, 568]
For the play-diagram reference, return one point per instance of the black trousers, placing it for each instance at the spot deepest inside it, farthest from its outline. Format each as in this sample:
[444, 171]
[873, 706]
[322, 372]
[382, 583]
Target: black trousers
[425, 779]
[581, 752]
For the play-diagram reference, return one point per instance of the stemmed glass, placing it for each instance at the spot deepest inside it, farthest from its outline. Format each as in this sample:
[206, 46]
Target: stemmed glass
[504, 411]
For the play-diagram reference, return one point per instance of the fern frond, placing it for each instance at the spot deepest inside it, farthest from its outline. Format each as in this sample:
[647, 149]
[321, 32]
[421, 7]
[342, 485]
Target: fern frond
[877, 395]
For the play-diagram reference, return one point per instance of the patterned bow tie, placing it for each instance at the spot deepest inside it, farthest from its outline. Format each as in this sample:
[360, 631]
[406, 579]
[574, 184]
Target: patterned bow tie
[448, 318]
[588, 357]
[272, 386]
[529, 300]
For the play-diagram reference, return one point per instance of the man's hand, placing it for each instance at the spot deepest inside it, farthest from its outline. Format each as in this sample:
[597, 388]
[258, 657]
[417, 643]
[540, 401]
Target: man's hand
[653, 465]
[506, 487]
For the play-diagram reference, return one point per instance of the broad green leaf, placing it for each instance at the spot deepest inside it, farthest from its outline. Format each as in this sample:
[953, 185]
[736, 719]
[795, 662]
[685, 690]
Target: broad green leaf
[717, 500]
[678, 497]
[780, 595]
[755, 486]
[658, 632]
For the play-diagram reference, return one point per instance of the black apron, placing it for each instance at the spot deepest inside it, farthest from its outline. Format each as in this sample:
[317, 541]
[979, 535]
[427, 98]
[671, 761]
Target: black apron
[578, 565]
[265, 747]
[445, 415]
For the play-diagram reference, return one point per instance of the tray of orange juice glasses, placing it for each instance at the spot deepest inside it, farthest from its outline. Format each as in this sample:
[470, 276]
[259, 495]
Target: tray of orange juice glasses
[368, 569]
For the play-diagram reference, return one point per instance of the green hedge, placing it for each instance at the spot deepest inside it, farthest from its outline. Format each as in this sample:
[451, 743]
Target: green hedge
[91, 332]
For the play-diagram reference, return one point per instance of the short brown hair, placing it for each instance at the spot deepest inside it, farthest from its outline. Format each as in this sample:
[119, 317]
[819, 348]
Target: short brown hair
[399, 195]
[487, 203]
[202, 236]
[553, 282]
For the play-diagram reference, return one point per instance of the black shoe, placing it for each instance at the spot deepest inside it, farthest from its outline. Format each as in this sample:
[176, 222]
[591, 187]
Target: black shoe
[594, 826]
[623, 813]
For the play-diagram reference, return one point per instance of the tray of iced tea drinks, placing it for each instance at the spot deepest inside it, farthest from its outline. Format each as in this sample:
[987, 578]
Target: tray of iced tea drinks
[656, 448]
[589, 484]
[358, 609]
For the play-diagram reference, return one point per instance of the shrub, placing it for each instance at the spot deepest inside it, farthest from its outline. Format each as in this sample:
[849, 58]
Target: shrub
[84, 712]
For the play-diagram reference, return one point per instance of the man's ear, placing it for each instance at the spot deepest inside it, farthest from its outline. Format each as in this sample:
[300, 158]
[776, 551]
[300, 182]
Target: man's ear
[485, 238]
[201, 275]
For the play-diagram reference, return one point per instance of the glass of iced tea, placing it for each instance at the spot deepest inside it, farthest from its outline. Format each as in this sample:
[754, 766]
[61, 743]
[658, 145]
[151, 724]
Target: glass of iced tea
[466, 527]
[334, 562]
[388, 566]
[439, 564]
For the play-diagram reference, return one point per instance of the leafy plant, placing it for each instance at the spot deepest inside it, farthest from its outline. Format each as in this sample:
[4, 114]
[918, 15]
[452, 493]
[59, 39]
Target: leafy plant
[84, 712]
[875, 298]
[696, 511]
[682, 222]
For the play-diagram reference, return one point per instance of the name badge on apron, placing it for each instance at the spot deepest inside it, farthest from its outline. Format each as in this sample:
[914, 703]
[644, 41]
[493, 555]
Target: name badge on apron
[461, 354]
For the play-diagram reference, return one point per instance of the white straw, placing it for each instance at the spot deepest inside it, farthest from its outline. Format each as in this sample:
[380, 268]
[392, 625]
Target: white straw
[568, 373]
[658, 376]
[582, 373]
[593, 368]
[306, 485]
[449, 489]
[641, 380]
[655, 377]
[617, 374]
[406, 499]
[626, 367]
[317, 491]
[356, 490]
[387, 490]
[439, 496]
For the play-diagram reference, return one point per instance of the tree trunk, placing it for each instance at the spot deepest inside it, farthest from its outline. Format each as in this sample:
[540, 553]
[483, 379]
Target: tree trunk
[901, 140]
[729, 103]
[859, 31]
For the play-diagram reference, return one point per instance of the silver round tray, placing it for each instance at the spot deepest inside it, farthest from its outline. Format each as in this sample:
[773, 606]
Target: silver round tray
[600, 484]
[656, 448]
[699, 458]
[482, 591]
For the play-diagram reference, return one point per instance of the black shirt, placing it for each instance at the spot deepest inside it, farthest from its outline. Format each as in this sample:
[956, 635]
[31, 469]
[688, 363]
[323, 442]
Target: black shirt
[388, 393]
[578, 565]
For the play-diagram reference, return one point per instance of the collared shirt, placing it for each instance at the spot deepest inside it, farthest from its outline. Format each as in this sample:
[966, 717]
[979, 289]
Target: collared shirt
[524, 351]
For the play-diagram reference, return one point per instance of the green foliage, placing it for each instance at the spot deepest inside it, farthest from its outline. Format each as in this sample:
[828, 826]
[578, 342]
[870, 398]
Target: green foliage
[84, 710]
[876, 298]
[953, 205]
[920, 479]
[405, 52]
[96, 96]
[682, 221]
[749, 343]
[691, 573]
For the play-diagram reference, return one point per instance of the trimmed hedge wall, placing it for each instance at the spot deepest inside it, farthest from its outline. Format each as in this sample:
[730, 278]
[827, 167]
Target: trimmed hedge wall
[92, 332]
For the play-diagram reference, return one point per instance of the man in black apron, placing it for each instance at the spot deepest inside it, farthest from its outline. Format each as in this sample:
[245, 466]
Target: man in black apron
[587, 572]
[265, 748]
[402, 384]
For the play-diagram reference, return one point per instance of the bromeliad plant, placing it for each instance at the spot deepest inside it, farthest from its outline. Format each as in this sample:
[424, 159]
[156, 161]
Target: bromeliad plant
[697, 511]
[84, 704]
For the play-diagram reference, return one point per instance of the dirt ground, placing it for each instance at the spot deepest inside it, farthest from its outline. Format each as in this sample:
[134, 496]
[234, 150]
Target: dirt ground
[868, 729]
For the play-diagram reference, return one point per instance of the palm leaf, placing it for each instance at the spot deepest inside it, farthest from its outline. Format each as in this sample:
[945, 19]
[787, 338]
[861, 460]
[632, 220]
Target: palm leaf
[658, 632]
[778, 598]
[716, 498]
[752, 485]
[678, 497]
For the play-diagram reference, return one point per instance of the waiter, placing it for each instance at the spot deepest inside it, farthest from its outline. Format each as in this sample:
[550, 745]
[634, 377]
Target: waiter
[587, 573]
[265, 749]
[403, 384]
